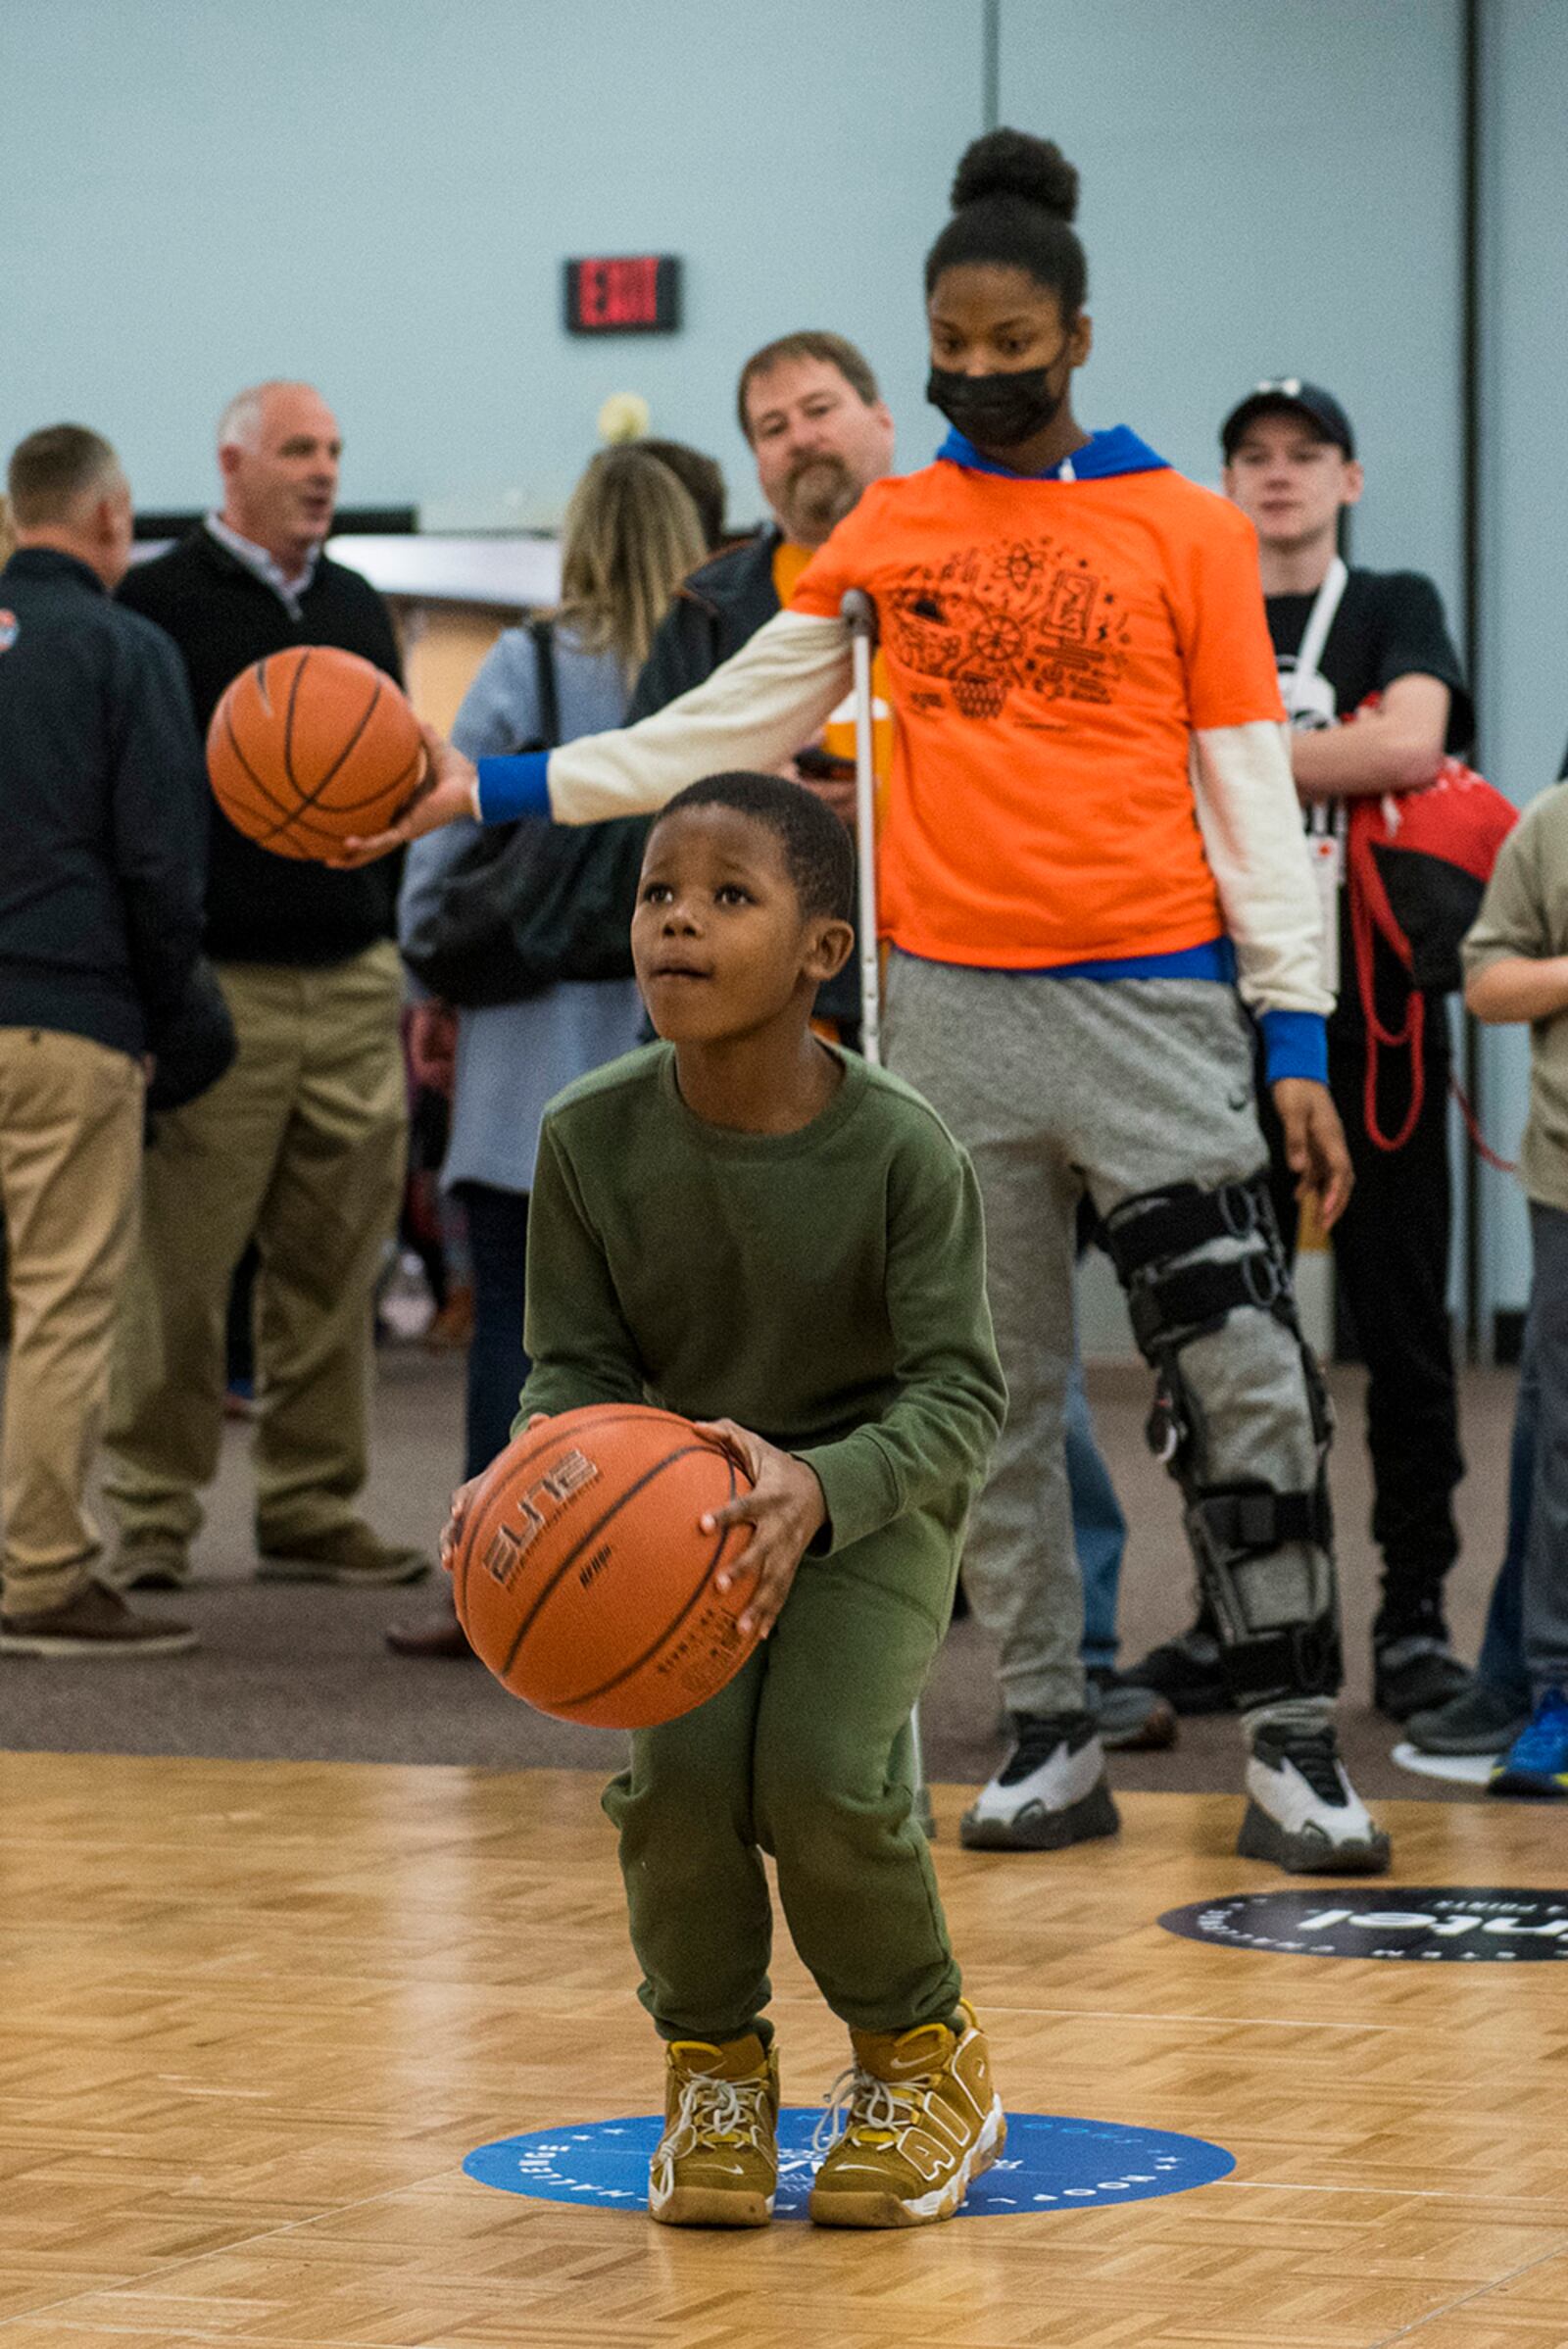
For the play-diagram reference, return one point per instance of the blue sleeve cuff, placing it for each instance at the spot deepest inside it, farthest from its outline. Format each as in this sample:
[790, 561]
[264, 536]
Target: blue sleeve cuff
[1296, 1044]
[514, 787]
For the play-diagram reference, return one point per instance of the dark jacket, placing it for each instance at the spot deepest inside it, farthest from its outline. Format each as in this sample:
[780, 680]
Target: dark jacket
[103, 811]
[263, 907]
[716, 611]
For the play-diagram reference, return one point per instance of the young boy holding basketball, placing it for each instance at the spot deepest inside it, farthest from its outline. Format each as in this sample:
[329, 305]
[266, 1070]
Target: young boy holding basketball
[750, 1228]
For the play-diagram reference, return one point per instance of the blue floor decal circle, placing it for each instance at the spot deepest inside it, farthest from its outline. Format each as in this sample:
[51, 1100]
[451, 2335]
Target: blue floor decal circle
[1052, 2163]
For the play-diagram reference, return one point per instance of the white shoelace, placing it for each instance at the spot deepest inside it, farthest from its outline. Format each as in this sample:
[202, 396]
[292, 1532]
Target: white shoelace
[858, 2099]
[716, 2112]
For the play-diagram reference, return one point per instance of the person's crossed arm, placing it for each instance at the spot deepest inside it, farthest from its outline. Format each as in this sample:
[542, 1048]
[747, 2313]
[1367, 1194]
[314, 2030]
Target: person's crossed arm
[1398, 746]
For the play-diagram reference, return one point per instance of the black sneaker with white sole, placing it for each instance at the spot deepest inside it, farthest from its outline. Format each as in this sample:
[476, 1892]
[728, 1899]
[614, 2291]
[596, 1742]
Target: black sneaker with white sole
[1302, 1812]
[1050, 1792]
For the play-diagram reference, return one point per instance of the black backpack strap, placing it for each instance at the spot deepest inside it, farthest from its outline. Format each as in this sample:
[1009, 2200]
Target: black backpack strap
[543, 632]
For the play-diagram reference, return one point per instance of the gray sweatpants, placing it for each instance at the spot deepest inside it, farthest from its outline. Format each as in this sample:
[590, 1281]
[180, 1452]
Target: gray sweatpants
[1115, 1087]
[1546, 1588]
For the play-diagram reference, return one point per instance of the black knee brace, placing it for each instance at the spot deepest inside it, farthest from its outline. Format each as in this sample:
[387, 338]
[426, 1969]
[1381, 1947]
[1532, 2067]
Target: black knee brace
[1173, 1302]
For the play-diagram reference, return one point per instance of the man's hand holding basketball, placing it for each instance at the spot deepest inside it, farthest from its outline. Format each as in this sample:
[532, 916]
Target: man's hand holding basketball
[447, 791]
[785, 1507]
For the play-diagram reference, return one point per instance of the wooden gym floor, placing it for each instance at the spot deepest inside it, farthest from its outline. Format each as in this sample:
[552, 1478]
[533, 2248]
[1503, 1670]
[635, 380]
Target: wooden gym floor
[253, 2015]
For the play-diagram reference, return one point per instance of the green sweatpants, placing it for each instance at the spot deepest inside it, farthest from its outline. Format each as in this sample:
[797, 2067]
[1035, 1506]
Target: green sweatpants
[807, 1755]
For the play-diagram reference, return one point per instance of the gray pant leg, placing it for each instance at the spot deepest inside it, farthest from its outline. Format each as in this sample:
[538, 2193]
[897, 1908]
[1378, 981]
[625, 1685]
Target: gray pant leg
[1175, 1103]
[964, 1039]
[1546, 1585]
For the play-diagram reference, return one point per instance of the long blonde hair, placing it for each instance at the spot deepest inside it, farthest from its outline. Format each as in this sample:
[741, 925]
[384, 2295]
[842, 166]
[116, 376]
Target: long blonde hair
[630, 536]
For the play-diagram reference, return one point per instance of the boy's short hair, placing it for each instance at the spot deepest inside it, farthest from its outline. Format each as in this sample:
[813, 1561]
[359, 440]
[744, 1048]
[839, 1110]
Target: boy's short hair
[817, 850]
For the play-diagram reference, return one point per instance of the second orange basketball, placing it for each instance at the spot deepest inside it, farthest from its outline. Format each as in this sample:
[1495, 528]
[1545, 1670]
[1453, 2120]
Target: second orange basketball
[312, 747]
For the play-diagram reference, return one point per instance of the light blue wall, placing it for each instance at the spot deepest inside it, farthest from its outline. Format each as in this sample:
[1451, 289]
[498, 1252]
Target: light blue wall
[1525, 597]
[379, 194]
[1268, 188]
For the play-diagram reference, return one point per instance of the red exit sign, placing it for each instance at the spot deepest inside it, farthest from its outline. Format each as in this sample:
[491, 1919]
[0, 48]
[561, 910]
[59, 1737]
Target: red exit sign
[628, 293]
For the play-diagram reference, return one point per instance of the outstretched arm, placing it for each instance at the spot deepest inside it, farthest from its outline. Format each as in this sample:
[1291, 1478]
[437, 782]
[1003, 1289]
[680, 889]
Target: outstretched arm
[754, 710]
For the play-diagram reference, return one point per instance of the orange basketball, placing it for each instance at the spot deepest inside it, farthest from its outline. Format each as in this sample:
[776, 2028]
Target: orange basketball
[584, 1579]
[312, 747]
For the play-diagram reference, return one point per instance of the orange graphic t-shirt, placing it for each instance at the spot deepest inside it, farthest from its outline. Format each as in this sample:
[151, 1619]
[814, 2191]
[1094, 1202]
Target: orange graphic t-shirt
[1049, 647]
[838, 735]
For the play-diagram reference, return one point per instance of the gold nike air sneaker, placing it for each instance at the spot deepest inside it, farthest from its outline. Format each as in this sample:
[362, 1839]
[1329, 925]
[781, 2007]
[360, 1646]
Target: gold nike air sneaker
[716, 2164]
[923, 2119]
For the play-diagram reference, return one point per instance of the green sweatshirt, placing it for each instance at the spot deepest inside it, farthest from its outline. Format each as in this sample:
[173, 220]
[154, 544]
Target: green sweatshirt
[825, 1289]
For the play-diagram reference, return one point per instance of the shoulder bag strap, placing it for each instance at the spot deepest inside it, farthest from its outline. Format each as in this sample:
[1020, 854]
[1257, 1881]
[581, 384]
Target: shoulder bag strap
[543, 633]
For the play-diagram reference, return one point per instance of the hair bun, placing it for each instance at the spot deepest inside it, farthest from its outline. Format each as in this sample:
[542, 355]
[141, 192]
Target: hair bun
[1011, 163]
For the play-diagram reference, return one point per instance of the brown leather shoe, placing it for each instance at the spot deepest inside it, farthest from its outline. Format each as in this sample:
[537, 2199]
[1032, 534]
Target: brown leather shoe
[438, 1634]
[351, 1555]
[95, 1623]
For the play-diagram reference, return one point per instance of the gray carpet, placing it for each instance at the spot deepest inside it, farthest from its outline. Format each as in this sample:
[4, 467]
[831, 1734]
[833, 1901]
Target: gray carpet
[302, 1673]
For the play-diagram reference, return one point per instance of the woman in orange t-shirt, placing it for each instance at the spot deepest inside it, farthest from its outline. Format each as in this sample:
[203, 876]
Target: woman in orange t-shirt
[1092, 862]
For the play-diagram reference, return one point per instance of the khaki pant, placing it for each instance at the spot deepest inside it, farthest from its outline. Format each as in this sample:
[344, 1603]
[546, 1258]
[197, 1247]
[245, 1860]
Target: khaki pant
[70, 1133]
[302, 1146]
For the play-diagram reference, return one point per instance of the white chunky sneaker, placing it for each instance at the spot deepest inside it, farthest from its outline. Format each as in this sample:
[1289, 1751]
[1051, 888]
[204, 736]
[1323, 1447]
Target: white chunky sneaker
[1302, 1812]
[1052, 1792]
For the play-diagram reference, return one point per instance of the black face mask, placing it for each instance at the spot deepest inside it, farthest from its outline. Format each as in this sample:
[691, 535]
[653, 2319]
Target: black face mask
[997, 411]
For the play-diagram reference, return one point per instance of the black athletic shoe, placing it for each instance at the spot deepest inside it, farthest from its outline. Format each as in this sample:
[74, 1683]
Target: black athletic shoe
[1186, 1672]
[1416, 1674]
[1481, 1719]
[1052, 1791]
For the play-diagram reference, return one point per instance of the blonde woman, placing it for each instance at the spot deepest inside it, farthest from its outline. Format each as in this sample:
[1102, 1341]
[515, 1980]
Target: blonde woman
[631, 534]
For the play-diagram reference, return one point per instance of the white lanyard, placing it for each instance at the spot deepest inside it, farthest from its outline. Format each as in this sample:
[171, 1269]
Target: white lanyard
[1319, 620]
[1326, 822]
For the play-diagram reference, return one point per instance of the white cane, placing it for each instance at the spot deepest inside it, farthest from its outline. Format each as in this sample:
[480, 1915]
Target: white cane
[859, 610]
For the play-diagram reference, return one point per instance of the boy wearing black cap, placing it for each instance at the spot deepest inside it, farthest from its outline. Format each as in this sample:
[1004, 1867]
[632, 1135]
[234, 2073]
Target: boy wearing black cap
[1341, 635]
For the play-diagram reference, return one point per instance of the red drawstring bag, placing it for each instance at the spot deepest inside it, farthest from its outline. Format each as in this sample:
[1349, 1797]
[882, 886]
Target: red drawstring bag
[1417, 864]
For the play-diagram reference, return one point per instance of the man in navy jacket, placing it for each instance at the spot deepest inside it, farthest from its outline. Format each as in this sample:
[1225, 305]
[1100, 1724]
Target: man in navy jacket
[103, 859]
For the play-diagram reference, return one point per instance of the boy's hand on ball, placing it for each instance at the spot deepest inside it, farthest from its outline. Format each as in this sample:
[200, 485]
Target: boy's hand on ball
[446, 792]
[784, 1508]
[451, 1532]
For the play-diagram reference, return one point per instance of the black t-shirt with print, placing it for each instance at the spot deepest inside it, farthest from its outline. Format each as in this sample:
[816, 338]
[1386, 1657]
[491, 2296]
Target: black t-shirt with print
[1389, 624]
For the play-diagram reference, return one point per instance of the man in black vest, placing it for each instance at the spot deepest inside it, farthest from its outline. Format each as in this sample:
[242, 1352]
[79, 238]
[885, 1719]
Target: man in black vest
[103, 840]
[302, 1144]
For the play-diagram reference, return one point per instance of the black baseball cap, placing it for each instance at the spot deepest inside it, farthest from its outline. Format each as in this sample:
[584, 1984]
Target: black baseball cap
[1288, 395]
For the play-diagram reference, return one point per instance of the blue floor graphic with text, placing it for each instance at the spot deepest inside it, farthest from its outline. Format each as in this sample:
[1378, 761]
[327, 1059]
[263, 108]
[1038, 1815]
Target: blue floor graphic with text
[1051, 2163]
